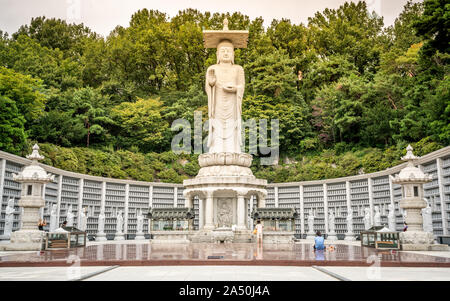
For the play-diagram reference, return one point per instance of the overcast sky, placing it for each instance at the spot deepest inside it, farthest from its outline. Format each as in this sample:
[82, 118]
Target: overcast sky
[103, 15]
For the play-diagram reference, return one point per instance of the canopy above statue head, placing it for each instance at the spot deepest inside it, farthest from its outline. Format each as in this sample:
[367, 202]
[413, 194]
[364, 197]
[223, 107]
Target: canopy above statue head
[212, 38]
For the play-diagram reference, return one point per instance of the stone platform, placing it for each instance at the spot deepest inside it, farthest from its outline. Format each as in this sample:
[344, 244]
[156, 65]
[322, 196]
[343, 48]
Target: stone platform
[146, 254]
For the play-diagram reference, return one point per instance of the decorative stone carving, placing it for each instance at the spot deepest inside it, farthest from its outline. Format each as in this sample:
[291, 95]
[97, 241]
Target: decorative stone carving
[311, 218]
[377, 217]
[350, 235]
[70, 216]
[83, 220]
[225, 213]
[427, 218]
[101, 236]
[367, 219]
[54, 218]
[9, 219]
[140, 226]
[33, 178]
[119, 226]
[412, 179]
[213, 159]
[331, 226]
[391, 218]
[331, 222]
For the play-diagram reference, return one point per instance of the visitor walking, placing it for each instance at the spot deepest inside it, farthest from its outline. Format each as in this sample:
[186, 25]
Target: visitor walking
[319, 242]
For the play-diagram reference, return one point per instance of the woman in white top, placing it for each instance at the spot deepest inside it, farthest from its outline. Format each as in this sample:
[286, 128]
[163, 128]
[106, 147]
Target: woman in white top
[259, 231]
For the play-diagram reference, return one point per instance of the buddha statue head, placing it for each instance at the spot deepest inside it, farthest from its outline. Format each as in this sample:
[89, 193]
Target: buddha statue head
[225, 52]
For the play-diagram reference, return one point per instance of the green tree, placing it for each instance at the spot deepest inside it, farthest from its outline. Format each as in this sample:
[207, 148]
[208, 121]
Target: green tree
[434, 26]
[12, 138]
[88, 109]
[28, 93]
[140, 124]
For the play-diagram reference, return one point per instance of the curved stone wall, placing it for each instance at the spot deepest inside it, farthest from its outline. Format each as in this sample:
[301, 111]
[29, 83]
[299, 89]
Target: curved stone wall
[357, 192]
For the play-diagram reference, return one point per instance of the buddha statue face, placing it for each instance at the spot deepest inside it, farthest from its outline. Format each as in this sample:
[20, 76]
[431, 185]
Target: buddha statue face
[225, 52]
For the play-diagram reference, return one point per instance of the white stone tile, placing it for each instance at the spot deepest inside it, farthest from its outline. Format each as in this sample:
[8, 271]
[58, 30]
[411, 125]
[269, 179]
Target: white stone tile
[392, 273]
[45, 273]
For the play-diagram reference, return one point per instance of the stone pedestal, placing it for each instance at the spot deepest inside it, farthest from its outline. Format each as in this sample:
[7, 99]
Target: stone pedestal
[171, 237]
[332, 236]
[310, 235]
[139, 236]
[243, 236]
[420, 241]
[100, 237]
[349, 237]
[202, 236]
[25, 240]
[224, 186]
[276, 237]
[223, 235]
[119, 236]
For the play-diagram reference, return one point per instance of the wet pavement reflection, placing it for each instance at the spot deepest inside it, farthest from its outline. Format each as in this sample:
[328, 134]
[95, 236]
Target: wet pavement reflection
[240, 254]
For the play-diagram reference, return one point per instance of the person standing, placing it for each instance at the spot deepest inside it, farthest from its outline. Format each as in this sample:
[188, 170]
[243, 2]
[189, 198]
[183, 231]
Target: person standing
[42, 223]
[259, 232]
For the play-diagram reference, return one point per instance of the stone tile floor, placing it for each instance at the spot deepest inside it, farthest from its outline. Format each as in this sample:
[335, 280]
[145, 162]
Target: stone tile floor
[146, 254]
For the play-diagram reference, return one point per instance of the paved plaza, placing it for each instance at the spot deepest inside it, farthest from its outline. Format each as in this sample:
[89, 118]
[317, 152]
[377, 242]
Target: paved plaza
[141, 261]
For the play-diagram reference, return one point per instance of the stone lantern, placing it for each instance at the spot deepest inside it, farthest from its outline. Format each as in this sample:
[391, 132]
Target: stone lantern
[33, 178]
[412, 179]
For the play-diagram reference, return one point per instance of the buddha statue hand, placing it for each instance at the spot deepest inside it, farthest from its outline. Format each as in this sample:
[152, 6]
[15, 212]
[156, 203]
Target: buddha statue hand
[211, 77]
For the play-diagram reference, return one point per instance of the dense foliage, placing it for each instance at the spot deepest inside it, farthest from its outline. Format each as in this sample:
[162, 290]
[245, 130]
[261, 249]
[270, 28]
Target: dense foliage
[349, 93]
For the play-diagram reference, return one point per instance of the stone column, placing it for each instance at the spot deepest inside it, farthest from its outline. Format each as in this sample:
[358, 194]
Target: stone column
[209, 213]
[201, 213]
[241, 211]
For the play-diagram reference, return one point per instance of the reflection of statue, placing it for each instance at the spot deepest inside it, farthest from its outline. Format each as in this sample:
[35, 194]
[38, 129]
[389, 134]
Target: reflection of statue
[367, 219]
[311, 221]
[349, 219]
[53, 218]
[119, 227]
[140, 222]
[83, 220]
[377, 217]
[70, 217]
[427, 220]
[224, 86]
[331, 224]
[101, 221]
[391, 218]
[9, 218]
[224, 215]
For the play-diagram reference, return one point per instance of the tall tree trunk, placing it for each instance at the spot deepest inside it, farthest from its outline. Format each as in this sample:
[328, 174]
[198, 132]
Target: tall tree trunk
[88, 134]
